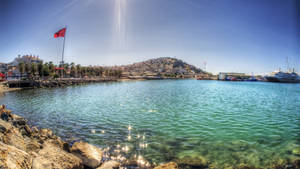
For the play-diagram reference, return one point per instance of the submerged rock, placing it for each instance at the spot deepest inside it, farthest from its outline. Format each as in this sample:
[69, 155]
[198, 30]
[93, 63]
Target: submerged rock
[52, 157]
[11, 157]
[198, 161]
[296, 151]
[109, 165]
[170, 165]
[89, 154]
[190, 158]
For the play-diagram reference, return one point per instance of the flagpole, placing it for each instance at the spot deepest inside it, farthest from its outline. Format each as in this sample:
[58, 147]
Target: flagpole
[62, 55]
[63, 50]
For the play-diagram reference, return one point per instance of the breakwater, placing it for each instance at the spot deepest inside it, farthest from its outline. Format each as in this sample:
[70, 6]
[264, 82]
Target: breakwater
[55, 82]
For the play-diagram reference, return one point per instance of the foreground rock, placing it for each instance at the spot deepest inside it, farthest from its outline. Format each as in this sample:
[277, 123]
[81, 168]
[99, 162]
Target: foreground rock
[52, 156]
[89, 154]
[22, 147]
[11, 157]
[170, 165]
[110, 165]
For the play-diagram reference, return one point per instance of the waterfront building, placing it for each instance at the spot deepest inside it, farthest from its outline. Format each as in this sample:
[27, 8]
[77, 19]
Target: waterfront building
[232, 76]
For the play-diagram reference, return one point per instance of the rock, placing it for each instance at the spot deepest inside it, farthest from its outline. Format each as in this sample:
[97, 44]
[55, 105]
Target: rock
[11, 157]
[170, 165]
[19, 122]
[60, 143]
[244, 166]
[27, 130]
[34, 129]
[89, 154]
[6, 115]
[45, 134]
[32, 145]
[13, 137]
[194, 161]
[4, 126]
[109, 165]
[296, 151]
[2, 129]
[52, 157]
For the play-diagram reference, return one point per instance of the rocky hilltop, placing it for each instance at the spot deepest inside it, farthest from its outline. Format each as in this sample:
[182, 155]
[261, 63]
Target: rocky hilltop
[165, 67]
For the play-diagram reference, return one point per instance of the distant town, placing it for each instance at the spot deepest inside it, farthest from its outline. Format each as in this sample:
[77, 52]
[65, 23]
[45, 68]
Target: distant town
[32, 67]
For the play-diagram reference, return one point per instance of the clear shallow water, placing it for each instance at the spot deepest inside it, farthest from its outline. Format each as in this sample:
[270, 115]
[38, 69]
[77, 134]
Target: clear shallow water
[219, 123]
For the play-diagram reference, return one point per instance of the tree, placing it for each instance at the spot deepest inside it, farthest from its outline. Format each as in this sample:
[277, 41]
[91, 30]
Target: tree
[78, 68]
[66, 67]
[21, 68]
[46, 71]
[73, 70]
[83, 71]
[51, 68]
[33, 68]
[40, 69]
[27, 69]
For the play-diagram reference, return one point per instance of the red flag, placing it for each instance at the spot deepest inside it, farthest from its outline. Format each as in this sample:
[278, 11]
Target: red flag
[2, 75]
[60, 33]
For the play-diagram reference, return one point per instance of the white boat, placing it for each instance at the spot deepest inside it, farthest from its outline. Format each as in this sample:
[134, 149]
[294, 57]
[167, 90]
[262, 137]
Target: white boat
[283, 77]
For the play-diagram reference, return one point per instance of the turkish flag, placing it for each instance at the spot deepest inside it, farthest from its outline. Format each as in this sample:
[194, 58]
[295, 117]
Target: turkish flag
[2, 75]
[60, 33]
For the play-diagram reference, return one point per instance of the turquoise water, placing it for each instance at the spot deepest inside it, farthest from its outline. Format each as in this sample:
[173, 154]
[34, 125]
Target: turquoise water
[200, 123]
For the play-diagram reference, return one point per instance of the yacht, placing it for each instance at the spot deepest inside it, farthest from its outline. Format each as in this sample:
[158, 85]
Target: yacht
[283, 77]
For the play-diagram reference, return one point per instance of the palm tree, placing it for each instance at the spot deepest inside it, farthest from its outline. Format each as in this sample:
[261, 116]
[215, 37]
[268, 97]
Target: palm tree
[51, 68]
[27, 69]
[33, 69]
[73, 70]
[21, 68]
[40, 69]
[66, 67]
[78, 67]
[46, 71]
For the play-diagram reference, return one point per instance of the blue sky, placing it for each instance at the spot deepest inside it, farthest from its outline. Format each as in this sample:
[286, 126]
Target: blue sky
[230, 35]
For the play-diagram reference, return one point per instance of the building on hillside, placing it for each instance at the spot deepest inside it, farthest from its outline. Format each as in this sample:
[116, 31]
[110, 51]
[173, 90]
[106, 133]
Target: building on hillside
[12, 67]
[26, 59]
[3, 68]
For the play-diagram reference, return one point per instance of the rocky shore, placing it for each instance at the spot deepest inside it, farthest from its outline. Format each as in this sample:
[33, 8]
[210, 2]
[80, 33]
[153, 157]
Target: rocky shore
[25, 147]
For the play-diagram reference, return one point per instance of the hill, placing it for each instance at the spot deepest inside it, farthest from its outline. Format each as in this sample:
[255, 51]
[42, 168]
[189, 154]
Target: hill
[162, 67]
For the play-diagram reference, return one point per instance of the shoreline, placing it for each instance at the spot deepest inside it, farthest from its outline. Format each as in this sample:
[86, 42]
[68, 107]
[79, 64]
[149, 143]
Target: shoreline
[4, 88]
[14, 85]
